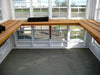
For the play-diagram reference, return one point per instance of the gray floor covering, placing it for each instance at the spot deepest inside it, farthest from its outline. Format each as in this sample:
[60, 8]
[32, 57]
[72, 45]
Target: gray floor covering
[50, 62]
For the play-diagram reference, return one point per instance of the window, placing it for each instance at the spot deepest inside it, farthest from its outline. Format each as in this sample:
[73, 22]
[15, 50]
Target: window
[24, 33]
[22, 9]
[41, 33]
[40, 8]
[78, 8]
[59, 8]
[59, 32]
[76, 33]
[0, 11]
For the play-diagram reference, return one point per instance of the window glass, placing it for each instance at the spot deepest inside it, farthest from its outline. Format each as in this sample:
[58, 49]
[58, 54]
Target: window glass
[41, 33]
[21, 8]
[40, 8]
[24, 33]
[76, 32]
[59, 32]
[78, 8]
[59, 8]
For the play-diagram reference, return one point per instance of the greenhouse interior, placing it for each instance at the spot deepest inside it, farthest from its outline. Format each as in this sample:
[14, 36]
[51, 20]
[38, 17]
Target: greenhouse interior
[49, 37]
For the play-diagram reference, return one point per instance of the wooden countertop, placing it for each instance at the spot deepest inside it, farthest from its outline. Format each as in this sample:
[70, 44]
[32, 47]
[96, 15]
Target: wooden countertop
[92, 26]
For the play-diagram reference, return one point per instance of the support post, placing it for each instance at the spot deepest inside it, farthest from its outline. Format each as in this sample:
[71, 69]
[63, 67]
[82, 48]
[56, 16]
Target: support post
[50, 32]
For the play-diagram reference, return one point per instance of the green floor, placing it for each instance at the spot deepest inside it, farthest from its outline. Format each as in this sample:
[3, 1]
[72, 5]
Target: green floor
[50, 62]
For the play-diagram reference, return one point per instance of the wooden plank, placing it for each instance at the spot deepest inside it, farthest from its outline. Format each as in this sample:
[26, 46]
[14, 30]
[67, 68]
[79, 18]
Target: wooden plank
[5, 22]
[91, 25]
[54, 22]
[94, 33]
[6, 34]
[12, 24]
[93, 22]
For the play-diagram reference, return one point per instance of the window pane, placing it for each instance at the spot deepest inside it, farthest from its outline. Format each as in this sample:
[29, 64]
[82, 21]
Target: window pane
[59, 27]
[82, 12]
[21, 8]
[63, 12]
[55, 27]
[76, 32]
[74, 12]
[59, 12]
[44, 12]
[40, 8]
[77, 35]
[59, 3]
[78, 12]
[36, 12]
[78, 8]
[26, 12]
[45, 27]
[75, 27]
[37, 27]
[55, 12]
[41, 35]
[40, 3]
[78, 3]
[41, 27]
[24, 35]
[63, 27]
[40, 12]
[58, 35]
[26, 27]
